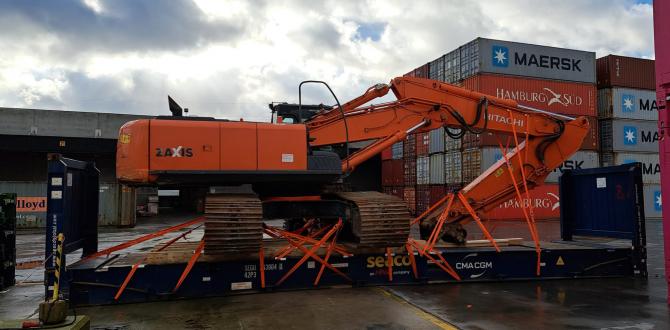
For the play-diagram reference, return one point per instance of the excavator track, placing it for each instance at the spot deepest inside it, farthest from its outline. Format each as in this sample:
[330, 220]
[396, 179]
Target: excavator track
[378, 220]
[233, 223]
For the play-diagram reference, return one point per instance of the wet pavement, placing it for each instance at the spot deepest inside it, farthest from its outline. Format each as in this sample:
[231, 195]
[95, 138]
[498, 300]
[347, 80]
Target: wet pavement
[559, 304]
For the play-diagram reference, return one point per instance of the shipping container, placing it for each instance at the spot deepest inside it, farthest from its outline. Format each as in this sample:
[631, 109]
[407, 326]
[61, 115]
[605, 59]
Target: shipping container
[452, 66]
[422, 143]
[627, 103]
[651, 168]
[387, 172]
[436, 169]
[544, 199]
[422, 170]
[409, 193]
[436, 140]
[453, 167]
[409, 171]
[409, 147]
[387, 154]
[512, 58]
[397, 150]
[437, 192]
[452, 144]
[422, 71]
[478, 160]
[422, 198]
[393, 172]
[652, 202]
[397, 191]
[488, 139]
[436, 66]
[570, 98]
[31, 203]
[623, 71]
[624, 135]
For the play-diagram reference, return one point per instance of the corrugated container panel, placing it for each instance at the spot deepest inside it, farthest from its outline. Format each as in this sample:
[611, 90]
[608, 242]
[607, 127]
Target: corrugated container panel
[489, 155]
[422, 170]
[387, 154]
[544, 200]
[422, 71]
[452, 66]
[422, 143]
[488, 139]
[397, 172]
[651, 168]
[454, 187]
[436, 140]
[652, 201]
[472, 164]
[434, 69]
[452, 144]
[571, 98]
[519, 59]
[387, 172]
[453, 167]
[409, 74]
[422, 198]
[109, 204]
[580, 160]
[409, 171]
[436, 169]
[409, 193]
[627, 103]
[409, 147]
[625, 71]
[437, 192]
[398, 191]
[35, 192]
[396, 150]
[623, 135]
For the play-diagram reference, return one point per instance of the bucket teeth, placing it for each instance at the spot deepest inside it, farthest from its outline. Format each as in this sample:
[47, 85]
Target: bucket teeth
[233, 223]
[378, 220]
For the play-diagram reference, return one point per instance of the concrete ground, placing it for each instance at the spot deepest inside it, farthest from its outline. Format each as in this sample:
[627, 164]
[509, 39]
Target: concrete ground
[577, 304]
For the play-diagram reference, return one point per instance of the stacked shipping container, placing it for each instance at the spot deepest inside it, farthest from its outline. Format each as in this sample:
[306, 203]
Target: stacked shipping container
[628, 117]
[558, 80]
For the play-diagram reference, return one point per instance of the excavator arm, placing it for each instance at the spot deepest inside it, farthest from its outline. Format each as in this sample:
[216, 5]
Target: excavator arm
[423, 105]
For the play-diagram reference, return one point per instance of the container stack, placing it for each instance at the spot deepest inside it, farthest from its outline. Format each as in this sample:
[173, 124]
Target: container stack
[628, 117]
[557, 80]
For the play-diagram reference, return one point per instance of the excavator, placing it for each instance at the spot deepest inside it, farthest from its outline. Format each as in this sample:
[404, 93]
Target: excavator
[294, 165]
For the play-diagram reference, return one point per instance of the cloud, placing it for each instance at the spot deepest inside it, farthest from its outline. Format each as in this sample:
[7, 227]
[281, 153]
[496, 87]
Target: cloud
[231, 58]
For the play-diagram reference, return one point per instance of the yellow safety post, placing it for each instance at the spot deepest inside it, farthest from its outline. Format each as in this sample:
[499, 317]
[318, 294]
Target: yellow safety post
[58, 257]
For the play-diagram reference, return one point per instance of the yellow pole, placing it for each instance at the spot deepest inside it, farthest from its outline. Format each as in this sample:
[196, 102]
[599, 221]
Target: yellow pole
[59, 252]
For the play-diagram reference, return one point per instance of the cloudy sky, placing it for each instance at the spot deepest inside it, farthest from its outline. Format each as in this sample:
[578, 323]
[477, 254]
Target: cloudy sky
[230, 58]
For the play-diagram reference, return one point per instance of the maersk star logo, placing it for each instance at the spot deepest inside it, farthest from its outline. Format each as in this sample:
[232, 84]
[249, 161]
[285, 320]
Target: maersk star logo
[658, 203]
[500, 56]
[629, 135]
[627, 104]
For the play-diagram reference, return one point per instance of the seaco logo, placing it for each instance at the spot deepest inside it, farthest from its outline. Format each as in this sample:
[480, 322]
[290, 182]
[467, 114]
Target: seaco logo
[658, 202]
[179, 151]
[630, 135]
[502, 56]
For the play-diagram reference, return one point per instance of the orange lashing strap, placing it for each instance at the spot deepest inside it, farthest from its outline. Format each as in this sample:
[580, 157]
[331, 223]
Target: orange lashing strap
[143, 238]
[137, 264]
[525, 185]
[389, 260]
[331, 247]
[189, 266]
[261, 262]
[443, 264]
[474, 216]
[412, 261]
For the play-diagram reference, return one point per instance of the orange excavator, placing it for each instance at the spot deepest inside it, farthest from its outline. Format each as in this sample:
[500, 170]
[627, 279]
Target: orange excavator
[293, 164]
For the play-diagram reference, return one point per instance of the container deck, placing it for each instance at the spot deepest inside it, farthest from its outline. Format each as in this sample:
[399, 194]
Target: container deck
[96, 281]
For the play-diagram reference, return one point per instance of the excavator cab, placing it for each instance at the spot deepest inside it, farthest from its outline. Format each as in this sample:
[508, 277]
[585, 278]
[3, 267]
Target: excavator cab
[291, 113]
